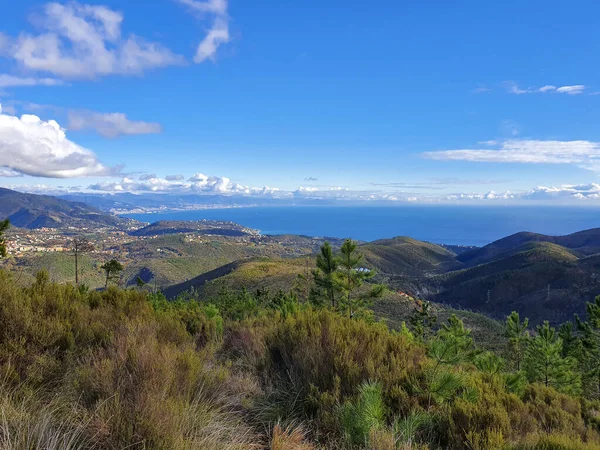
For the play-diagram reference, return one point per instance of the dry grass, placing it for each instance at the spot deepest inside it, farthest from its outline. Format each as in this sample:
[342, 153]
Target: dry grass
[28, 423]
[290, 437]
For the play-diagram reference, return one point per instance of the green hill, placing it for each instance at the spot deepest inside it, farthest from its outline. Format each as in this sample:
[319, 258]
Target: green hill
[407, 256]
[255, 273]
[584, 243]
[538, 278]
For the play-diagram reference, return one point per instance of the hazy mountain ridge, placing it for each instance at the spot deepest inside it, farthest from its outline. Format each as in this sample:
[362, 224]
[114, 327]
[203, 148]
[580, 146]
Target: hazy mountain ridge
[38, 211]
[128, 202]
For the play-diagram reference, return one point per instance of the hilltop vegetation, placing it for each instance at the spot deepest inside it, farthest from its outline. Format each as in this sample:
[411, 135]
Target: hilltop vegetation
[127, 369]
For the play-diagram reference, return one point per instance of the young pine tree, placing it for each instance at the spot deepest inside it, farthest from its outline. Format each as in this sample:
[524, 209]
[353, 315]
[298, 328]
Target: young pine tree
[325, 273]
[351, 276]
[518, 337]
[545, 364]
[452, 346]
[4, 225]
[456, 332]
[422, 320]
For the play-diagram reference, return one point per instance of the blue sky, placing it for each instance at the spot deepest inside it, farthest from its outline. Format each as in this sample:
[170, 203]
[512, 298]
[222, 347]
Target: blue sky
[419, 101]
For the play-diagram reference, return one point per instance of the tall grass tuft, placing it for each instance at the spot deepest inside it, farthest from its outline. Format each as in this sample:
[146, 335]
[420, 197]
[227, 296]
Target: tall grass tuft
[28, 423]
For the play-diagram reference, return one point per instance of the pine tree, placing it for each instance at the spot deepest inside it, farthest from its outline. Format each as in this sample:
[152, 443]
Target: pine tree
[455, 330]
[422, 320]
[351, 276]
[589, 359]
[112, 269]
[325, 273]
[545, 364]
[4, 225]
[571, 342]
[518, 337]
[451, 346]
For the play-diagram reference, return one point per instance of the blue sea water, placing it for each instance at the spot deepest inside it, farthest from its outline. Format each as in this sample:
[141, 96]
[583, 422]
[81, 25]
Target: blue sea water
[457, 225]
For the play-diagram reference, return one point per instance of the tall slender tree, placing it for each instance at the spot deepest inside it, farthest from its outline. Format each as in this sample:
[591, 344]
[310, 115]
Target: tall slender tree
[545, 364]
[79, 245]
[351, 276]
[518, 337]
[325, 273]
[4, 225]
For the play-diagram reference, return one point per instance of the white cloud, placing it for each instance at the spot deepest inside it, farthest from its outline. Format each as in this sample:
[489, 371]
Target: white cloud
[218, 7]
[110, 125]
[571, 90]
[583, 153]
[589, 191]
[198, 183]
[490, 195]
[13, 81]
[304, 190]
[514, 88]
[218, 34]
[84, 41]
[31, 146]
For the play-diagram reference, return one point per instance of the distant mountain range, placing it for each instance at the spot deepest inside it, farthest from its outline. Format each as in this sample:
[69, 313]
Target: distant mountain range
[39, 211]
[127, 202]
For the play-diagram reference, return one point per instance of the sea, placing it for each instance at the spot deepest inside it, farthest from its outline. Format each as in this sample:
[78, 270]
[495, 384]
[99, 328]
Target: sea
[440, 224]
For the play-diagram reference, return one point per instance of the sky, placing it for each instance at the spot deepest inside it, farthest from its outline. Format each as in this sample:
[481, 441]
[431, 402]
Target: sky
[434, 101]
